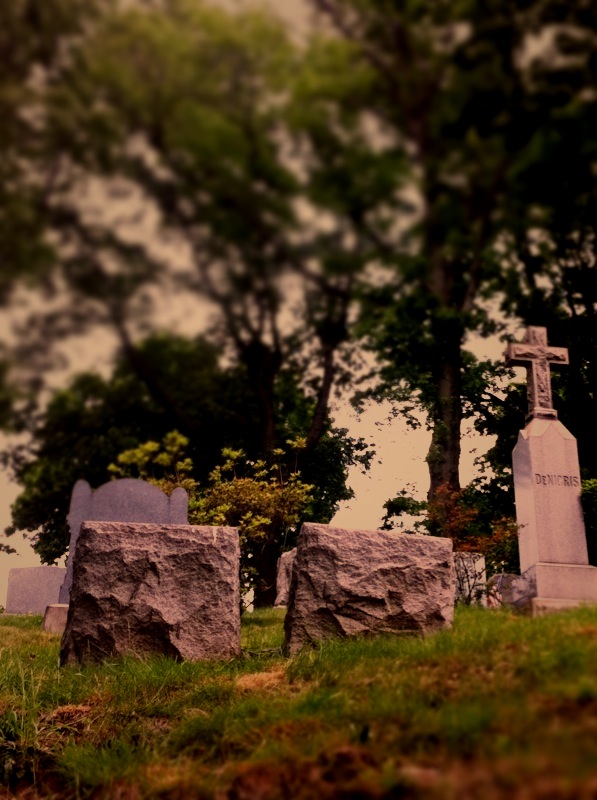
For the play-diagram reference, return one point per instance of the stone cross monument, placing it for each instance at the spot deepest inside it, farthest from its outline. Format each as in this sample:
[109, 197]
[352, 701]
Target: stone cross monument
[552, 541]
[534, 354]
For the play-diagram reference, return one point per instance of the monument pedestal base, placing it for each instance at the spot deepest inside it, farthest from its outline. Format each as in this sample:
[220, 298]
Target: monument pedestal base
[563, 581]
[548, 605]
[557, 586]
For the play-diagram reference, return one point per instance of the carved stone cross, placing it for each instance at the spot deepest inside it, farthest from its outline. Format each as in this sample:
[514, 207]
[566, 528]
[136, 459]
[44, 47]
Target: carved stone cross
[534, 354]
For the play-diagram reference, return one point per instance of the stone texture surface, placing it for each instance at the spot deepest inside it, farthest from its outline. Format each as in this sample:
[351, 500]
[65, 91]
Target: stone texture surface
[507, 589]
[153, 589]
[124, 500]
[348, 582]
[542, 606]
[283, 577]
[563, 582]
[31, 589]
[547, 491]
[55, 618]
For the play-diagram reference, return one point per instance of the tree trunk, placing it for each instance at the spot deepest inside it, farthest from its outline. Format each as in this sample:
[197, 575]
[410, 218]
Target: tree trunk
[323, 399]
[263, 364]
[443, 458]
[267, 567]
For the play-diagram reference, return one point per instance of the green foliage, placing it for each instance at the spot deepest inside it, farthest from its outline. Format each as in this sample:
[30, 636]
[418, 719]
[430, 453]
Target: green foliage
[437, 154]
[266, 502]
[468, 518]
[185, 103]
[166, 458]
[403, 503]
[86, 426]
[32, 44]
[476, 133]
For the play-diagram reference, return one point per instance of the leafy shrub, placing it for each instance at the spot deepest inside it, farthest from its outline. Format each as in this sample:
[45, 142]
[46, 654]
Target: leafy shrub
[265, 501]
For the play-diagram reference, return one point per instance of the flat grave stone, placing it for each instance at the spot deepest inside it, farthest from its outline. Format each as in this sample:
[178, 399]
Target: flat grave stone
[55, 618]
[31, 589]
[283, 577]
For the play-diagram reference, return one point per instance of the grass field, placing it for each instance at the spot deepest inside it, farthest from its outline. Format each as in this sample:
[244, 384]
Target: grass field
[499, 707]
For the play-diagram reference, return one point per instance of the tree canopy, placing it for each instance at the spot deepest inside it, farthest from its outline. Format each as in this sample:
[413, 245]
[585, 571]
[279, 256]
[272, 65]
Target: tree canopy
[88, 424]
[409, 176]
[490, 110]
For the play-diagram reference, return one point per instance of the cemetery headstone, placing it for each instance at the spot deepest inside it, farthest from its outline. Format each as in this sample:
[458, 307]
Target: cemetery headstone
[552, 541]
[507, 589]
[349, 582]
[283, 576]
[144, 589]
[55, 618]
[31, 589]
[123, 500]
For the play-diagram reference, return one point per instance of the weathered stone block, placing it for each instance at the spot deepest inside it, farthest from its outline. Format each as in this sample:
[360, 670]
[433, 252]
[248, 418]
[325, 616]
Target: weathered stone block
[347, 582]
[283, 577]
[31, 589]
[55, 618]
[513, 591]
[153, 589]
[563, 582]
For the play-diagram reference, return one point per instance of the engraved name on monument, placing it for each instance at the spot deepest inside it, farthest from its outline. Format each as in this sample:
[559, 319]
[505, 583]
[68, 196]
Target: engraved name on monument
[547, 485]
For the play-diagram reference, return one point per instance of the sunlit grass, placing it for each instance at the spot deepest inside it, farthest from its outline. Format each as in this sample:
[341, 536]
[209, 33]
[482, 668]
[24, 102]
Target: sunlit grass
[507, 694]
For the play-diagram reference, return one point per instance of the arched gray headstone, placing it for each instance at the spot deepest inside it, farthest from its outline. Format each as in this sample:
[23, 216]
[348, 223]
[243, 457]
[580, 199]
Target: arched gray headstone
[123, 500]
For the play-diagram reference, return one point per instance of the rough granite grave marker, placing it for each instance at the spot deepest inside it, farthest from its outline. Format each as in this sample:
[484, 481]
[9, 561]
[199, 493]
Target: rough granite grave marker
[552, 541]
[144, 589]
[283, 577]
[123, 500]
[348, 582]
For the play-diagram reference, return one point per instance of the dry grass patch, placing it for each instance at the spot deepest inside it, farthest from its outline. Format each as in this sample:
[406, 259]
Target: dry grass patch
[72, 722]
[262, 681]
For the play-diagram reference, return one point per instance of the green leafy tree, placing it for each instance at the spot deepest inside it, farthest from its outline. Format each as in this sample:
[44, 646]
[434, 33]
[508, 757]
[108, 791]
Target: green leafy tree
[86, 426]
[469, 120]
[185, 104]
[33, 38]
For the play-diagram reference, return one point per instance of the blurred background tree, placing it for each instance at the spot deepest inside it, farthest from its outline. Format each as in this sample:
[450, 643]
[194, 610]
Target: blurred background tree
[489, 109]
[404, 180]
[181, 106]
[87, 425]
